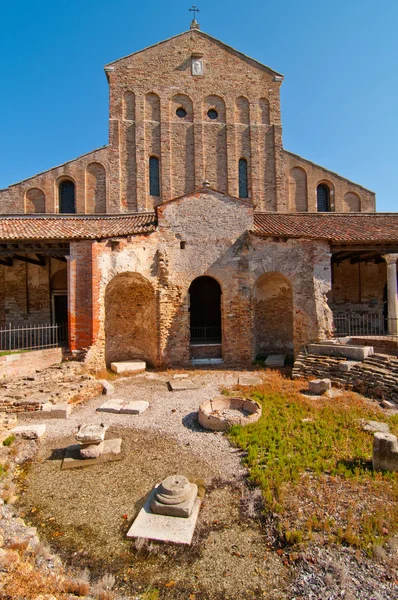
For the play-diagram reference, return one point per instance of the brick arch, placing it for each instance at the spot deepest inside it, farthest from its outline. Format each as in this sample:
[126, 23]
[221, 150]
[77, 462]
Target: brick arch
[181, 101]
[242, 110]
[35, 201]
[298, 198]
[95, 188]
[152, 107]
[131, 328]
[129, 105]
[218, 104]
[273, 314]
[352, 202]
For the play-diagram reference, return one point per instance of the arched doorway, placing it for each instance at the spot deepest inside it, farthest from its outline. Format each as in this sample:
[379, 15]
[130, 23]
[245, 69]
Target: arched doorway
[205, 318]
[273, 315]
[131, 330]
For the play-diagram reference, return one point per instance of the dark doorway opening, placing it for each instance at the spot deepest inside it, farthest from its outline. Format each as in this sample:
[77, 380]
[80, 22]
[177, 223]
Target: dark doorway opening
[60, 316]
[205, 311]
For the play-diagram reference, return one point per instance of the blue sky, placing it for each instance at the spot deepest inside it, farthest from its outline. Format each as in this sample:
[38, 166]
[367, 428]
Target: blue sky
[339, 58]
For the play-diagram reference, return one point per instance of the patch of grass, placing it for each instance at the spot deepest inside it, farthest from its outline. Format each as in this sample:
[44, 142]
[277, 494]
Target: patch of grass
[311, 460]
[9, 440]
[151, 594]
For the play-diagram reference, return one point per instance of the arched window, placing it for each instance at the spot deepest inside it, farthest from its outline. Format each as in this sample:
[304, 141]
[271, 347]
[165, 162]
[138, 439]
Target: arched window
[322, 198]
[154, 180]
[243, 183]
[66, 196]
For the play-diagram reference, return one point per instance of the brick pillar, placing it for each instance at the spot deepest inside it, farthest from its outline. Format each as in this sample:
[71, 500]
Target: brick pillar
[83, 282]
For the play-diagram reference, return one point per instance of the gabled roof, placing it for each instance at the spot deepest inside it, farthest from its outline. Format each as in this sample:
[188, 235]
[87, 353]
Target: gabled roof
[334, 227]
[59, 227]
[253, 61]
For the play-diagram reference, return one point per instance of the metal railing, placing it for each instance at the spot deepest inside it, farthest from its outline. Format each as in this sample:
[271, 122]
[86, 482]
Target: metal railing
[33, 337]
[206, 334]
[366, 324]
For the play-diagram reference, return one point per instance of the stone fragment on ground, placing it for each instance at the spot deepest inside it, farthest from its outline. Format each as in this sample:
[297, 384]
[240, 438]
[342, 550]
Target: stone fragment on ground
[111, 452]
[180, 376]
[319, 386]
[163, 528]
[133, 407]
[250, 380]
[175, 497]
[374, 426]
[108, 388]
[128, 366]
[334, 393]
[389, 404]
[275, 361]
[346, 365]
[180, 385]
[29, 432]
[385, 452]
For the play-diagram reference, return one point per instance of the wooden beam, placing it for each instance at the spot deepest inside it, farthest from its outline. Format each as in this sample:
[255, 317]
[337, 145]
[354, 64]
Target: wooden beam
[32, 261]
[7, 262]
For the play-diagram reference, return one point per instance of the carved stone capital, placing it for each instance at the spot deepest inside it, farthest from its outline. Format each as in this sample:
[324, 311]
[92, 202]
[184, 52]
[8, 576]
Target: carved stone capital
[390, 259]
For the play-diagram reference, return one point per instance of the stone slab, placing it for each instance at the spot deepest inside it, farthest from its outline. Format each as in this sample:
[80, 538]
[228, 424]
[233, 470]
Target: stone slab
[275, 360]
[107, 388]
[250, 380]
[123, 407]
[177, 530]
[72, 459]
[357, 353]
[207, 361]
[183, 384]
[129, 366]
[180, 376]
[29, 432]
[135, 407]
[48, 411]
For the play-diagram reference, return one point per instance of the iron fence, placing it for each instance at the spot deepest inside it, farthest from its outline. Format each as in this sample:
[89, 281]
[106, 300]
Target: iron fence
[206, 334]
[33, 337]
[356, 324]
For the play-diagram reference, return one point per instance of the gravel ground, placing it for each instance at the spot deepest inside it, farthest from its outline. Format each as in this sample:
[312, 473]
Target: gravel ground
[80, 512]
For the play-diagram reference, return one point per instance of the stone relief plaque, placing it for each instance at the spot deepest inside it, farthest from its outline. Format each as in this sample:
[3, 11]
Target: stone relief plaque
[197, 66]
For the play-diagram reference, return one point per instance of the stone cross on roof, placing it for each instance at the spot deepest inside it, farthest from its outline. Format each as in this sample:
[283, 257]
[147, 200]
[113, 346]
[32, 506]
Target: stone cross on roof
[194, 10]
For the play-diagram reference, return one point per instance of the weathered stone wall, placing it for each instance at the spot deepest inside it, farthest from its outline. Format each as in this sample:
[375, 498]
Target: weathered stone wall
[376, 376]
[358, 286]
[26, 363]
[273, 315]
[206, 234]
[25, 291]
[40, 193]
[303, 178]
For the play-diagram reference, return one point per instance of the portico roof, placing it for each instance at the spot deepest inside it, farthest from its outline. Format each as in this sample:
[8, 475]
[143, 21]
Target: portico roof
[333, 227]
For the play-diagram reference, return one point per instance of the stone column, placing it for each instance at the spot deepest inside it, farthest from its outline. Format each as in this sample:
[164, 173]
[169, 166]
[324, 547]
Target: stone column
[392, 297]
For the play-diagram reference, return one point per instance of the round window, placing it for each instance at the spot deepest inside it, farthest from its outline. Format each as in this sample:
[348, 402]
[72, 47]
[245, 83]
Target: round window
[212, 114]
[181, 112]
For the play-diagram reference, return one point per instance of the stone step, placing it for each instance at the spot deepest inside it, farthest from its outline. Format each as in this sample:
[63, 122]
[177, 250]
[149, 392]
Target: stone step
[128, 366]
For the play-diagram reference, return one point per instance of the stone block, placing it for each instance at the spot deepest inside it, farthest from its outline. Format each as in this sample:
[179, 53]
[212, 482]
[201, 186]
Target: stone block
[347, 365]
[91, 433]
[385, 452]
[56, 411]
[389, 404]
[107, 388]
[91, 450]
[175, 497]
[73, 460]
[29, 432]
[356, 353]
[319, 386]
[275, 361]
[250, 380]
[185, 384]
[163, 528]
[180, 376]
[374, 426]
[131, 366]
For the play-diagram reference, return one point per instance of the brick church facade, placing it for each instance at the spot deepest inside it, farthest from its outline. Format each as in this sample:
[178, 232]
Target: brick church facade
[193, 233]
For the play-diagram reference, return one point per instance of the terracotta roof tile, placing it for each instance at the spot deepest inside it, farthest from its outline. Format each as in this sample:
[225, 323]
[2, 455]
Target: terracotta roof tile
[74, 228]
[358, 227]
